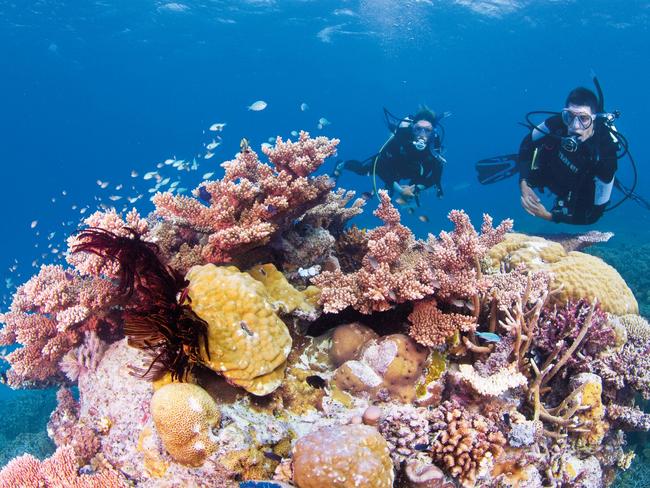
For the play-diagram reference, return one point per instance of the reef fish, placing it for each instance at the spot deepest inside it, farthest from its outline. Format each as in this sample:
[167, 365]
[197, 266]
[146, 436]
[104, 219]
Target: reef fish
[217, 127]
[489, 336]
[257, 106]
[304, 107]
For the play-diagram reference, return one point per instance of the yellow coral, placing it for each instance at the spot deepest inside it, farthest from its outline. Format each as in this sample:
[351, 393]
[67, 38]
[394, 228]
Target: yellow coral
[248, 343]
[283, 296]
[592, 411]
[185, 416]
[580, 275]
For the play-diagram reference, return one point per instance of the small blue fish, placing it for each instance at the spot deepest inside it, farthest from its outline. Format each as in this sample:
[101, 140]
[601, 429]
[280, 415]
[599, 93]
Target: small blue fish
[204, 194]
[489, 336]
[262, 484]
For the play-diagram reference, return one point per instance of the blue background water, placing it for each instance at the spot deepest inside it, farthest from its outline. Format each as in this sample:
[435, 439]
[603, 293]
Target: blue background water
[95, 89]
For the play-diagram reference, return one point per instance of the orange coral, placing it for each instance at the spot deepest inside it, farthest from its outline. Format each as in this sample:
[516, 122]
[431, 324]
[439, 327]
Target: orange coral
[465, 444]
[431, 327]
[185, 416]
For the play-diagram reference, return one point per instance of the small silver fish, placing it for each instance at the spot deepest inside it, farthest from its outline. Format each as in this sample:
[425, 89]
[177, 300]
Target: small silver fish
[257, 106]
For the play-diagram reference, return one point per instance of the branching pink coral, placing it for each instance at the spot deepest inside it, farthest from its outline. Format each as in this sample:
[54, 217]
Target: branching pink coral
[431, 327]
[49, 314]
[59, 471]
[397, 268]
[391, 273]
[455, 256]
[253, 200]
[90, 264]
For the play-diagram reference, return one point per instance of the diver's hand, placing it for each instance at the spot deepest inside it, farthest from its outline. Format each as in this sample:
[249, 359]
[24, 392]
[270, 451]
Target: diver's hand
[528, 197]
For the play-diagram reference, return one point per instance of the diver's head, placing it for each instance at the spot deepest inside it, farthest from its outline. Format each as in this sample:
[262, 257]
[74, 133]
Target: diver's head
[422, 127]
[580, 112]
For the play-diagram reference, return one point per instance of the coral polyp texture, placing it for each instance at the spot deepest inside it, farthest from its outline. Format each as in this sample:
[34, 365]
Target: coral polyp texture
[248, 335]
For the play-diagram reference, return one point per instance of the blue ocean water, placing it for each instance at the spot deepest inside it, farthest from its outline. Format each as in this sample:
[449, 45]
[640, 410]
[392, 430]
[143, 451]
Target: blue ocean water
[94, 90]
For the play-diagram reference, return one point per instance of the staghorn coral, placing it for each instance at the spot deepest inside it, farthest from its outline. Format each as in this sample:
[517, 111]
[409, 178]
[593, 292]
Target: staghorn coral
[186, 418]
[464, 444]
[246, 341]
[561, 326]
[343, 456]
[253, 201]
[406, 430]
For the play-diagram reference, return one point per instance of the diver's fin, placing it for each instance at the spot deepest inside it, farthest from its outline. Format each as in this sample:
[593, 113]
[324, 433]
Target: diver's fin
[497, 168]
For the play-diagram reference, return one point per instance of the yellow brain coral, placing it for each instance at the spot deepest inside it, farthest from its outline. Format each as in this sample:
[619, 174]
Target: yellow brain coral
[185, 417]
[247, 341]
[580, 275]
[342, 456]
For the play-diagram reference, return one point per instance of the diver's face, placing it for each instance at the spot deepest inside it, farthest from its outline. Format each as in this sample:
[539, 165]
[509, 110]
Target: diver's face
[422, 130]
[579, 120]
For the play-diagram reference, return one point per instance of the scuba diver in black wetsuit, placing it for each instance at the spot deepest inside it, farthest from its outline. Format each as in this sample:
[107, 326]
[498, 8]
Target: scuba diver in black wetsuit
[574, 156]
[412, 153]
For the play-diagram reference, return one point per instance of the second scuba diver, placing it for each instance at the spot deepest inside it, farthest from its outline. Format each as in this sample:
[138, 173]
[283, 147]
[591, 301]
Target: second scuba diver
[572, 154]
[412, 153]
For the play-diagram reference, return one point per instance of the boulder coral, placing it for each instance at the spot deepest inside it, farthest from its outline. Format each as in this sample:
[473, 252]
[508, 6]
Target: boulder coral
[576, 274]
[247, 341]
[342, 456]
[186, 418]
[388, 367]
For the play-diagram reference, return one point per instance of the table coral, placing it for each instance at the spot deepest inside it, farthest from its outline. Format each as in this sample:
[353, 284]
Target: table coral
[247, 341]
[186, 418]
[343, 456]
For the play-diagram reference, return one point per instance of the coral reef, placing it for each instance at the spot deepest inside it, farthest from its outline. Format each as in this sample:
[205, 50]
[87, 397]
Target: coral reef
[248, 336]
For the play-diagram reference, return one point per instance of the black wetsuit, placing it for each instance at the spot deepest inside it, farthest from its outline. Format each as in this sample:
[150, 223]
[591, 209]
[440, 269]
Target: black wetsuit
[581, 180]
[400, 160]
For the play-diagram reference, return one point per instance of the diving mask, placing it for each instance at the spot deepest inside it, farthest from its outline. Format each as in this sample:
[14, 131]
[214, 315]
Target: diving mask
[580, 120]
